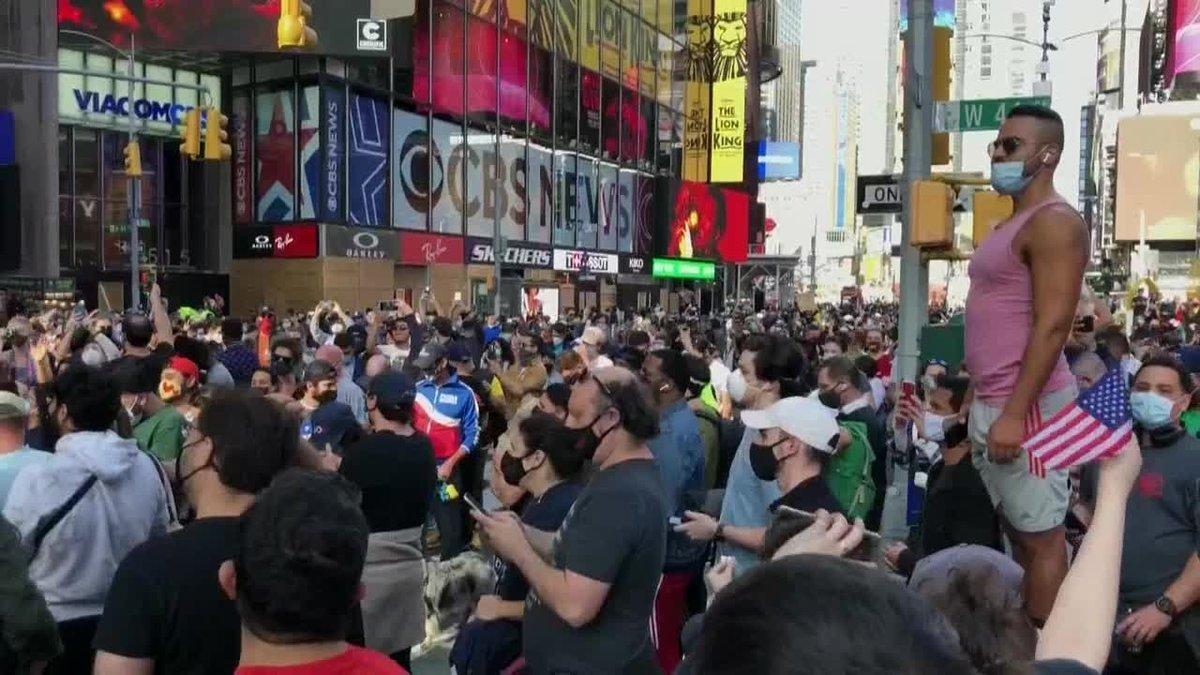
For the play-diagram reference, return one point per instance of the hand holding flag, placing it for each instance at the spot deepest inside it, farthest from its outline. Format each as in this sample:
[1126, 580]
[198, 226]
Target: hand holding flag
[1097, 425]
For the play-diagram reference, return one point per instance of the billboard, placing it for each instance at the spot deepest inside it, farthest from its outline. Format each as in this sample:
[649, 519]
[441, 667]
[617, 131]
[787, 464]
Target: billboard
[778, 161]
[212, 25]
[1185, 51]
[708, 223]
[452, 178]
[1158, 176]
[728, 90]
[943, 14]
[367, 150]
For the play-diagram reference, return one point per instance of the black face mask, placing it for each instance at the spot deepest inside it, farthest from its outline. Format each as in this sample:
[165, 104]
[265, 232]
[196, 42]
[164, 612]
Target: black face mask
[326, 396]
[763, 461]
[830, 399]
[513, 469]
[284, 362]
[584, 440]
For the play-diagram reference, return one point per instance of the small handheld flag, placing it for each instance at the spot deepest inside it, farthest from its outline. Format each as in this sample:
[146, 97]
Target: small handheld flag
[1097, 425]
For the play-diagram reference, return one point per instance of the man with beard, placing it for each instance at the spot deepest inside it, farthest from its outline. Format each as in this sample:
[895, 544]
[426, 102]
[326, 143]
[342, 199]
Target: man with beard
[329, 423]
[165, 611]
[593, 582]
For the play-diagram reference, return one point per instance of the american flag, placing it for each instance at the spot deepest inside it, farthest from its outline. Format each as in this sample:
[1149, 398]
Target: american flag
[1098, 424]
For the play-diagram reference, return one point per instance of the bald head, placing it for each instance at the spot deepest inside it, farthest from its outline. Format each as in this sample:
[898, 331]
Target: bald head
[376, 365]
[1088, 369]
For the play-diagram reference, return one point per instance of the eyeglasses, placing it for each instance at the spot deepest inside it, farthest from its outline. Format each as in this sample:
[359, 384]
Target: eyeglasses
[1009, 144]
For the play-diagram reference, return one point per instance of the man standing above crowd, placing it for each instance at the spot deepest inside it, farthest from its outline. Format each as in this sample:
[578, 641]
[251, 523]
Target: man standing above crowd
[526, 376]
[1025, 285]
[593, 585]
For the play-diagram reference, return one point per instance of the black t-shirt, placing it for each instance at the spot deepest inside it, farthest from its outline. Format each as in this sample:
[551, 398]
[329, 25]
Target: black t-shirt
[809, 496]
[616, 533]
[165, 602]
[396, 474]
[545, 513]
[1061, 667]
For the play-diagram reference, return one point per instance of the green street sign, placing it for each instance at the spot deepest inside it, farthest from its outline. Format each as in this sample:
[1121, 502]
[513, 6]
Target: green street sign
[696, 270]
[980, 115]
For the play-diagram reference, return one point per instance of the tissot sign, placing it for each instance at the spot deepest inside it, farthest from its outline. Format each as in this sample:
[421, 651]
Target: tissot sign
[364, 244]
[570, 260]
[479, 252]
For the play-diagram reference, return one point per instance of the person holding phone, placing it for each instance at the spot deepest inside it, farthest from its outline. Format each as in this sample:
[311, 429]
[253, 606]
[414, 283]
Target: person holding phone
[540, 460]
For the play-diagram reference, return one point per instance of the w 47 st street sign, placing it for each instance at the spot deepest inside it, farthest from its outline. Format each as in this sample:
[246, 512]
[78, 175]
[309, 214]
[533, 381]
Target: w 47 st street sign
[979, 115]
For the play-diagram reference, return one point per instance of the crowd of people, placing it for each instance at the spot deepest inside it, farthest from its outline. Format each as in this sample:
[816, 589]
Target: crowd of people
[713, 492]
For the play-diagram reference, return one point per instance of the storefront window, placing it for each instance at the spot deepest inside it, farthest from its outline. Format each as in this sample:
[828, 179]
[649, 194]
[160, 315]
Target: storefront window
[87, 198]
[567, 102]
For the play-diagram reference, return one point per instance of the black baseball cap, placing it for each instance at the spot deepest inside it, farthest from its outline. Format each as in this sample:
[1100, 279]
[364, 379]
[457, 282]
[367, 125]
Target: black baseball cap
[430, 354]
[458, 353]
[390, 387]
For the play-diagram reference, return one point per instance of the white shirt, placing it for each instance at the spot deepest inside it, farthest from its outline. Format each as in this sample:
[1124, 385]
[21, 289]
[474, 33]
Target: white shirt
[601, 361]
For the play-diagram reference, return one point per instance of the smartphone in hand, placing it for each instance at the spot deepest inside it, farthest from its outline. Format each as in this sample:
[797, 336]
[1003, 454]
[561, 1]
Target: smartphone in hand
[472, 504]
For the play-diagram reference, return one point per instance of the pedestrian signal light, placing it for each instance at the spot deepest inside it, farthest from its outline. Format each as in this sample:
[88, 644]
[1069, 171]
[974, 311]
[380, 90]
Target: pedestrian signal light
[133, 159]
[931, 214]
[989, 210]
[295, 21]
[216, 149]
[191, 134]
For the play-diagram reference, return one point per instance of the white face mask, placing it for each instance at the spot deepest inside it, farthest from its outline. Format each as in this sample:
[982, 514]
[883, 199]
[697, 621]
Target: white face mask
[736, 384]
[935, 427]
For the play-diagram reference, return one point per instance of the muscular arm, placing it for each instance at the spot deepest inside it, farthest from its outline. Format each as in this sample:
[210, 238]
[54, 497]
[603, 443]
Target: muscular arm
[1055, 249]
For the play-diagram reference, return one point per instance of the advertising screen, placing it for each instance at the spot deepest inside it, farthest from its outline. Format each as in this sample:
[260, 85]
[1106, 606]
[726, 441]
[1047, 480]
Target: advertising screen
[1158, 174]
[778, 161]
[708, 223]
[212, 25]
[943, 14]
[1186, 53]
[475, 56]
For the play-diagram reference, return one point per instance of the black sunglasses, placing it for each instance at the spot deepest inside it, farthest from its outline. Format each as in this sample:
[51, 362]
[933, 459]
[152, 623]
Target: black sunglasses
[1010, 144]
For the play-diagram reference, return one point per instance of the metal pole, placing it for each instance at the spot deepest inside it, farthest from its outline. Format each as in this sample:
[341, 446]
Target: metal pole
[918, 125]
[134, 189]
[1045, 40]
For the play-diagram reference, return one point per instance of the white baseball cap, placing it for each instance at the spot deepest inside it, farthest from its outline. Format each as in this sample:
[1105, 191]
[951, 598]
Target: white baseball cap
[800, 417]
[12, 406]
[593, 336]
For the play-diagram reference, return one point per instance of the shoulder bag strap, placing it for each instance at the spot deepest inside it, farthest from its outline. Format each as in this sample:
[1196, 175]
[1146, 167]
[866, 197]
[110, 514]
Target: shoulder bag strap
[46, 524]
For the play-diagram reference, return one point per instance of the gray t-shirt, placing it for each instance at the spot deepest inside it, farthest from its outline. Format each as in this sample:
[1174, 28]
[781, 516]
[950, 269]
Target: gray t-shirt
[615, 533]
[1162, 520]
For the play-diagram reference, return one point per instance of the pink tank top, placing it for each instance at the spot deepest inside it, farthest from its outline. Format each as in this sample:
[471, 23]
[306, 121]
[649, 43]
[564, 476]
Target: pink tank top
[1000, 314]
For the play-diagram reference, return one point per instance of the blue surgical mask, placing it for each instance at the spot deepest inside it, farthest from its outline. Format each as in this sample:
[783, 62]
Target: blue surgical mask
[1008, 178]
[1151, 410]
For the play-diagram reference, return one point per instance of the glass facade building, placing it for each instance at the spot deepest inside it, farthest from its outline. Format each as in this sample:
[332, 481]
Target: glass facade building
[549, 119]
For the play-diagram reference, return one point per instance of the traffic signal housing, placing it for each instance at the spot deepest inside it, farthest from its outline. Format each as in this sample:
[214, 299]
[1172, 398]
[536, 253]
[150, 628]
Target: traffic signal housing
[988, 209]
[216, 149]
[133, 160]
[295, 25]
[931, 213]
[191, 134]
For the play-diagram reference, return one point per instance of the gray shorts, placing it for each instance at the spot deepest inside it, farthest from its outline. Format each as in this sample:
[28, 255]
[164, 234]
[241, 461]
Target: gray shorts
[1028, 503]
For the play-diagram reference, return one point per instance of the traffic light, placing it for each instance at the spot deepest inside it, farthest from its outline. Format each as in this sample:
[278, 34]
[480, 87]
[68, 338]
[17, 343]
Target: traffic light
[941, 88]
[989, 210]
[191, 134]
[295, 19]
[215, 147]
[931, 213]
[133, 160]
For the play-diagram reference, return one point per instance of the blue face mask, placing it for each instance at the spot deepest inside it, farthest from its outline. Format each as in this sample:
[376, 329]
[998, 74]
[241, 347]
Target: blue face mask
[1151, 410]
[1008, 178]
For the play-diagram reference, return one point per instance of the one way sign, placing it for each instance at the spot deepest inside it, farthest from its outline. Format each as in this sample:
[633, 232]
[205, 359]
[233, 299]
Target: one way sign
[878, 194]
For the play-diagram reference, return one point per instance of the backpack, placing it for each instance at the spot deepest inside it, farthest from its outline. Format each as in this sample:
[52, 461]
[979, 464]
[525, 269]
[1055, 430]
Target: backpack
[849, 473]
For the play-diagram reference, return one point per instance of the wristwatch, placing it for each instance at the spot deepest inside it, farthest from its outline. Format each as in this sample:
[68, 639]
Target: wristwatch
[1166, 606]
[719, 535]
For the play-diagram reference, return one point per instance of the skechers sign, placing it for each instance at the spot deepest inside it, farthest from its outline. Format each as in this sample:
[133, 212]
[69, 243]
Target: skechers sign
[479, 252]
[95, 103]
